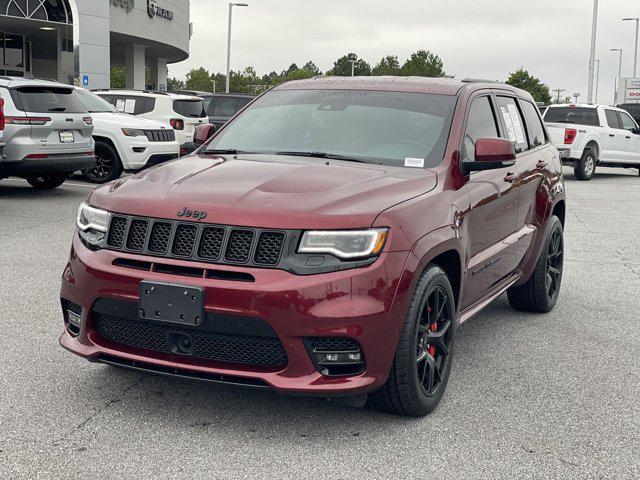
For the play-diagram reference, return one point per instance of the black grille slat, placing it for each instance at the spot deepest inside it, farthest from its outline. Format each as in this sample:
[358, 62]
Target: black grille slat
[160, 135]
[184, 240]
[333, 344]
[269, 247]
[116, 232]
[160, 236]
[223, 347]
[211, 243]
[137, 234]
[239, 246]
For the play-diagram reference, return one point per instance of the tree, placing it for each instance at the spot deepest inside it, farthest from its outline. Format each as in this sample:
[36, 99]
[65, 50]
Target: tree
[174, 84]
[117, 77]
[246, 81]
[199, 79]
[521, 78]
[423, 63]
[388, 65]
[312, 68]
[342, 66]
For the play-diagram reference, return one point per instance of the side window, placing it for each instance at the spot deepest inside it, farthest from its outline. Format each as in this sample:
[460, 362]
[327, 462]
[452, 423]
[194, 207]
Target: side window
[225, 106]
[612, 118]
[481, 123]
[534, 125]
[145, 105]
[626, 121]
[512, 119]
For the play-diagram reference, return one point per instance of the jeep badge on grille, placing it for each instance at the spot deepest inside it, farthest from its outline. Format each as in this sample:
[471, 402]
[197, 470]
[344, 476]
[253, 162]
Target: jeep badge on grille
[197, 214]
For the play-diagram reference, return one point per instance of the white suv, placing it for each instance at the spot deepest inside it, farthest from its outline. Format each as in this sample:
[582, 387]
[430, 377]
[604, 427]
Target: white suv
[181, 112]
[124, 142]
[590, 135]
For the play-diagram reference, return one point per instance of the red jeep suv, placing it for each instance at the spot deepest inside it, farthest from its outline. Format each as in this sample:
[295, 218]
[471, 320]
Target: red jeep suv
[327, 241]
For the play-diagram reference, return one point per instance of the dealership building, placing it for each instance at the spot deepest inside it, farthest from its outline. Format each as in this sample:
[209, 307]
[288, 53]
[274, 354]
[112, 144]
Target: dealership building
[77, 41]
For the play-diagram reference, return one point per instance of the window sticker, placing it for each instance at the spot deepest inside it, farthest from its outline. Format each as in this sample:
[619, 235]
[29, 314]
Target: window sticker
[414, 162]
[511, 131]
[130, 105]
[120, 105]
[517, 125]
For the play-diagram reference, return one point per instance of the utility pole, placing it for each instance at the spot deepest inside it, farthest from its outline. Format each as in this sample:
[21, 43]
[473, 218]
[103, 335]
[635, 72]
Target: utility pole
[231, 5]
[595, 96]
[558, 92]
[635, 51]
[592, 51]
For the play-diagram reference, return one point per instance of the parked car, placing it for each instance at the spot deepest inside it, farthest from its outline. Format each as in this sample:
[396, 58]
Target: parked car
[181, 112]
[220, 107]
[46, 132]
[327, 241]
[124, 142]
[632, 109]
[591, 135]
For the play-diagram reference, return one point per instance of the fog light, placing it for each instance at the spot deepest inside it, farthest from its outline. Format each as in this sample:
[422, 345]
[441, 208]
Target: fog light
[331, 357]
[74, 318]
[355, 357]
[335, 355]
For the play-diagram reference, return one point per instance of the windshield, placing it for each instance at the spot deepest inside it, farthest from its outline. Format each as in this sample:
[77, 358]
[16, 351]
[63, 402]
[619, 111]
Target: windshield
[576, 115]
[93, 103]
[402, 129]
[633, 109]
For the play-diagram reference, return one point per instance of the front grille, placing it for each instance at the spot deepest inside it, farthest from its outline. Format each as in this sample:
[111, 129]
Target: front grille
[219, 244]
[166, 135]
[222, 347]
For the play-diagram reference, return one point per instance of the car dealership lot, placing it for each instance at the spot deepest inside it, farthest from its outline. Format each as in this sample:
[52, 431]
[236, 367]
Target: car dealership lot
[529, 395]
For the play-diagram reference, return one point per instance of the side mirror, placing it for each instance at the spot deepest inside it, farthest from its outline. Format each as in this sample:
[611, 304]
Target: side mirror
[491, 153]
[203, 132]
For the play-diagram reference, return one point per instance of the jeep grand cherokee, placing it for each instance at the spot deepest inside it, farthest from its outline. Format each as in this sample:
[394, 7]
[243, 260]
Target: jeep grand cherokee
[327, 241]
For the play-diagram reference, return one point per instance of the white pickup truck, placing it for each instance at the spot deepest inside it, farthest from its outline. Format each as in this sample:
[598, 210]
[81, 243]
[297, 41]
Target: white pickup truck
[591, 135]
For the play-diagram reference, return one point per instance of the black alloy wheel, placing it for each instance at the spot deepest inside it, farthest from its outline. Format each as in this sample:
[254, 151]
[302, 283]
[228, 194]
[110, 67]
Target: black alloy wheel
[555, 257]
[434, 340]
[107, 166]
[46, 181]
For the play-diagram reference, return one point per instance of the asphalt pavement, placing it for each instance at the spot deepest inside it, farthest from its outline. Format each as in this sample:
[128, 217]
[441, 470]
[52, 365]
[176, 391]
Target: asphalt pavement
[530, 396]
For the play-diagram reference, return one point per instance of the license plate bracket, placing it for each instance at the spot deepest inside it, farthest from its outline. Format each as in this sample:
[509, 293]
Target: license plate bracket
[168, 302]
[66, 136]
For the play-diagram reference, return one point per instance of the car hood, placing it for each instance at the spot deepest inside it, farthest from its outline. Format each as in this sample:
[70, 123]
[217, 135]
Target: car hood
[266, 191]
[111, 120]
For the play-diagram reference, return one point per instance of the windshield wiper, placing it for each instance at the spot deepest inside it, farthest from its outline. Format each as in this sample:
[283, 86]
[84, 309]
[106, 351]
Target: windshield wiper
[58, 109]
[331, 156]
[229, 151]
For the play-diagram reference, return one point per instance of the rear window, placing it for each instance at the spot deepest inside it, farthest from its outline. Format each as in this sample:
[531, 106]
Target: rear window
[47, 100]
[225, 106]
[189, 108]
[577, 115]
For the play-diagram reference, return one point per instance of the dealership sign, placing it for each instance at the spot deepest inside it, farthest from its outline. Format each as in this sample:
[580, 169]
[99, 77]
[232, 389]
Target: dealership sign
[126, 4]
[154, 10]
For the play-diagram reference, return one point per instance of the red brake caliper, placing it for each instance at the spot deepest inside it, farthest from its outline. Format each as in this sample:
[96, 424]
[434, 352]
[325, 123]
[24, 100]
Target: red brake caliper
[433, 327]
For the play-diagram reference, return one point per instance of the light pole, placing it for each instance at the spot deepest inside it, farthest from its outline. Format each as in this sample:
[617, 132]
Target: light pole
[595, 95]
[635, 52]
[353, 67]
[619, 50]
[592, 51]
[231, 5]
[558, 91]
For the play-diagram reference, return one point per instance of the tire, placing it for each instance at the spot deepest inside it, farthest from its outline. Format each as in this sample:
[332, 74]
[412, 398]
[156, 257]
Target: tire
[585, 168]
[540, 293]
[46, 182]
[407, 391]
[107, 167]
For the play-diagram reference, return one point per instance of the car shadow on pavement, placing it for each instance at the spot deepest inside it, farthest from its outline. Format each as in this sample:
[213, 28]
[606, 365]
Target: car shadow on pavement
[27, 192]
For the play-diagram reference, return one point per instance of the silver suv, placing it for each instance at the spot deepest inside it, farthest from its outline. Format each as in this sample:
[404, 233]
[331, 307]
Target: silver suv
[46, 132]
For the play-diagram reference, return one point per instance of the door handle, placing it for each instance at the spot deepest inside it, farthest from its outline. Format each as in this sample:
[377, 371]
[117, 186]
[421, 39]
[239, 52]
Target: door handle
[510, 177]
[627, 137]
[541, 163]
[611, 135]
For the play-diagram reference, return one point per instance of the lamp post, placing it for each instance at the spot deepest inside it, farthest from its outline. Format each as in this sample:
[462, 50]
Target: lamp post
[619, 50]
[635, 52]
[592, 50]
[353, 67]
[231, 5]
[595, 95]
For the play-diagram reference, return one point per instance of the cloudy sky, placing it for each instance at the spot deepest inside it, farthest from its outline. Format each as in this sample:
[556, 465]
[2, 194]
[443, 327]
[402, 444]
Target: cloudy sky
[475, 38]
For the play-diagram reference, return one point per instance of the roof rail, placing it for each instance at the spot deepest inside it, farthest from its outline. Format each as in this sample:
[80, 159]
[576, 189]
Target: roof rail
[479, 80]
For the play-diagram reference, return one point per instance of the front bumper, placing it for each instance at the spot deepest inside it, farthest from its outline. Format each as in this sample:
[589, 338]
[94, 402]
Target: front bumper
[53, 164]
[358, 304]
[141, 155]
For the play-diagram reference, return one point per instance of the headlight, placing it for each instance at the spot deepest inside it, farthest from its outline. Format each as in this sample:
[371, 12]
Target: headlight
[344, 244]
[91, 218]
[133, 132]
